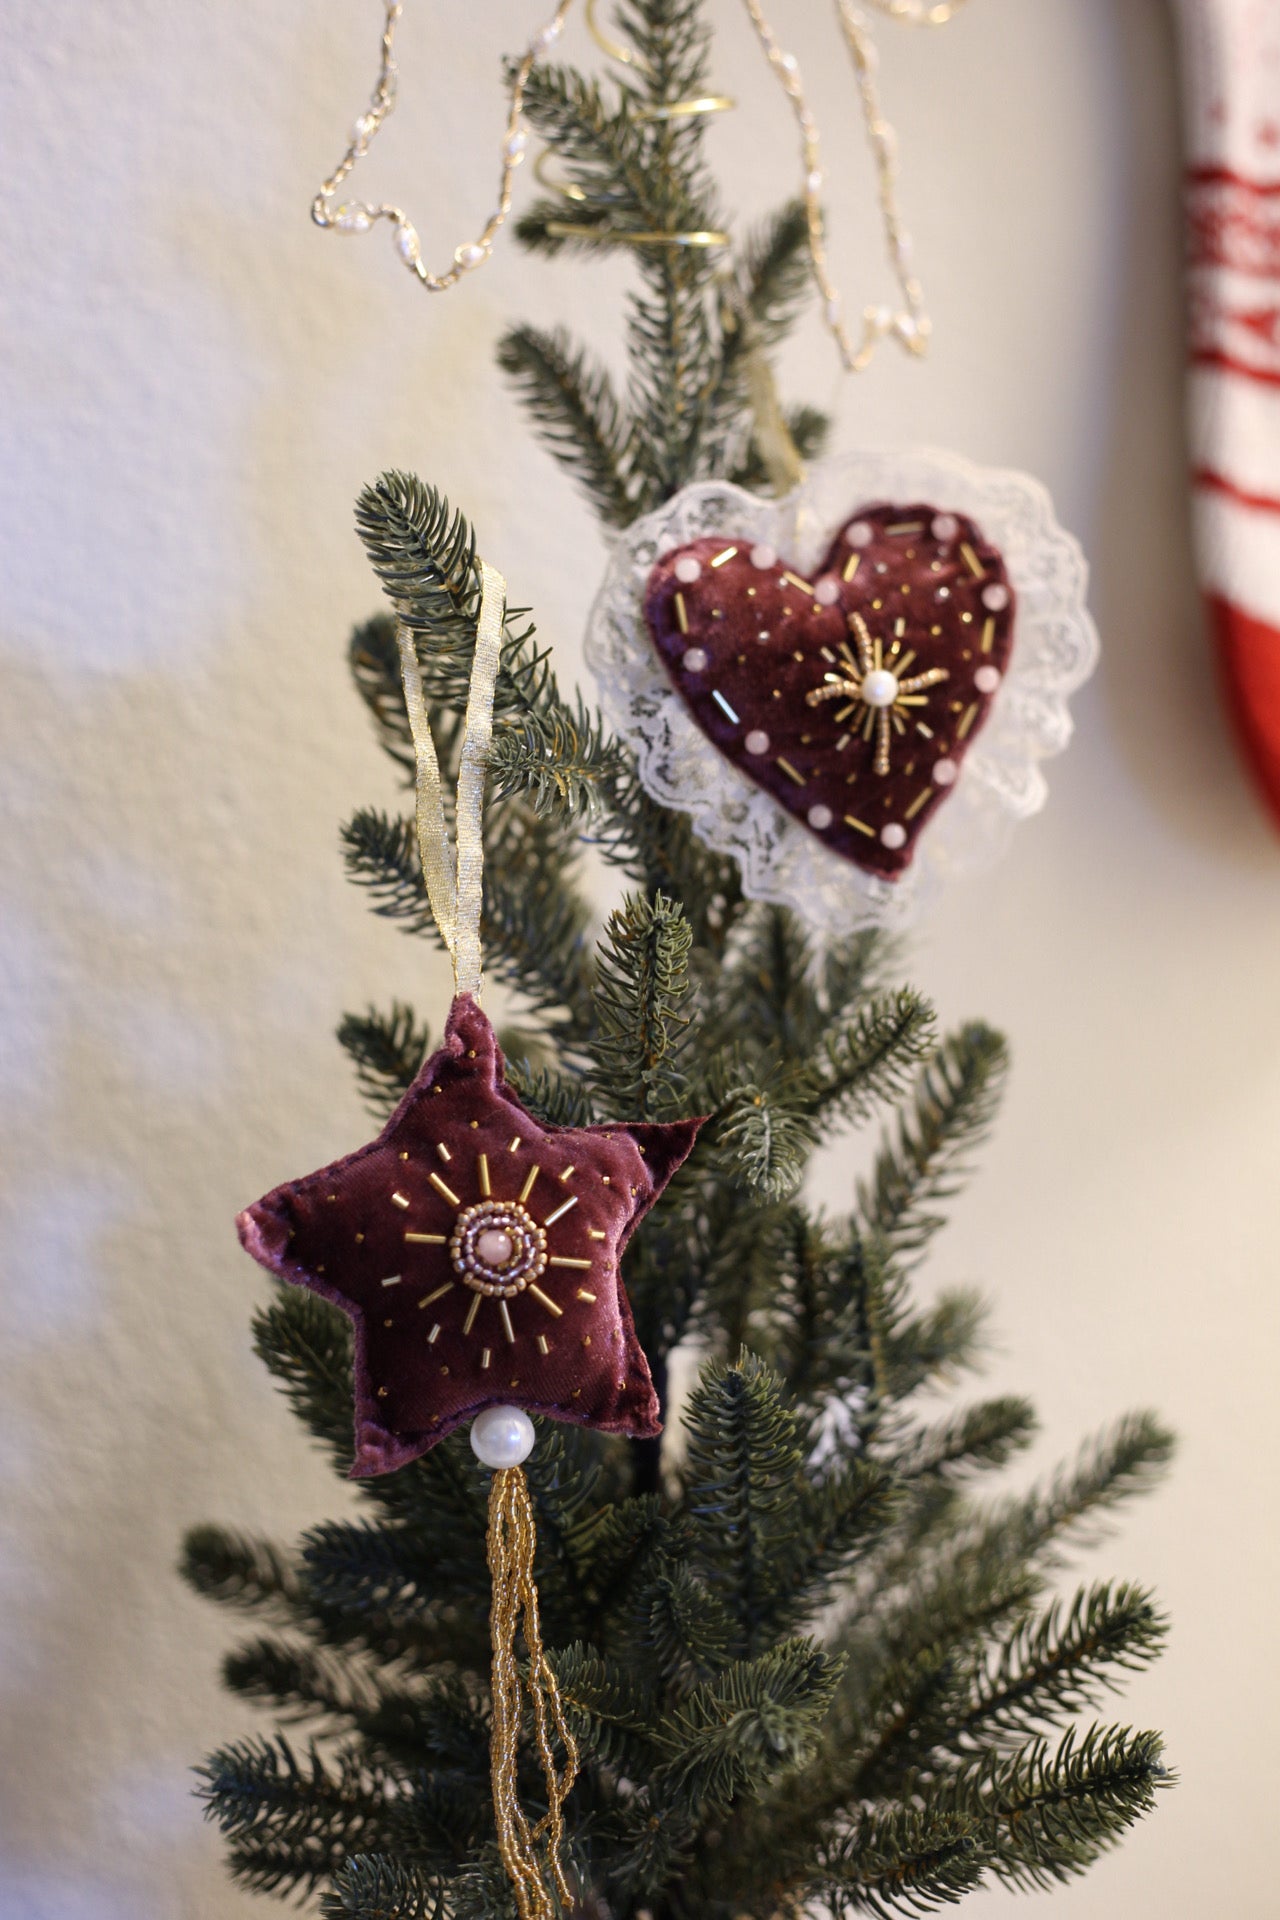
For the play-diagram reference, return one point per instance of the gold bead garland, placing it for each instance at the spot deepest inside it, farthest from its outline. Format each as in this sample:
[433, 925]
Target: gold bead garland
[909, 324]
[511, 1544]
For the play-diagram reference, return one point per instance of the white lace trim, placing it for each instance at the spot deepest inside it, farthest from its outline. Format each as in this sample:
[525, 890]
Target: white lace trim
[1055, 649]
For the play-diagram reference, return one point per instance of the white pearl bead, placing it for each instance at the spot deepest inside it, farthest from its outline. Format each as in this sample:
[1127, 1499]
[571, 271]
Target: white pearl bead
[408, 244]
[860, 534]
[763, 557]
[757, 741]
[494, 1247]
[687, 570]
[945, 526]
[880, 687]
[695, 660]
[820, 818]
[814, 181]
[827, 591]
[502, 1437]
[352, 219]
[987, 679]
[468, 255]
[515, 145]
[995, 598]
[944, 773]
[893, 835]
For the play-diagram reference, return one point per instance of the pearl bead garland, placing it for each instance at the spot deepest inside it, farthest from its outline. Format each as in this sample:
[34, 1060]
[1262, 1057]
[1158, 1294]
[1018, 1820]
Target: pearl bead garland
[502, 1437]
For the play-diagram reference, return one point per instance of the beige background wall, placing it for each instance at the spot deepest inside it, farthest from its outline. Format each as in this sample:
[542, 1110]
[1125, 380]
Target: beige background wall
[195, 384]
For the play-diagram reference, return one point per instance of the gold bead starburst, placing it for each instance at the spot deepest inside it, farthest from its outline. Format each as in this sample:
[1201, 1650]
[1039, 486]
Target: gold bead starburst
[878, 682]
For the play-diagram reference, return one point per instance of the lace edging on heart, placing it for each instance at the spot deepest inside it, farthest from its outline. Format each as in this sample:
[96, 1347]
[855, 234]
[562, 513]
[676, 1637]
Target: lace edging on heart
[1055, 650]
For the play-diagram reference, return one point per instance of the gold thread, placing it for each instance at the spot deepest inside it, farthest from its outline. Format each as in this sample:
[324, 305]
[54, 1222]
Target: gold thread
[472, 1311]
[859, 826]
[448, 1192]
[563, 1260]
[682, 615]
[427, 1239]
[511, 1545]
[971, 560]
[726, 553]
[920, 800]
[401, 1199]
[542, 1344]
[482, 1174]
[507, 1327]
[545, 1300]
[443, 1151]
[527, 1188]
[438, 1294]
[988, 636]
[566, 1206]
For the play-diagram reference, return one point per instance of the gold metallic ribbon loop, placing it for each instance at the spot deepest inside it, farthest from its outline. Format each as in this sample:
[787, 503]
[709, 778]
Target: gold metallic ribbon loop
[511, 1544]
[455, 891]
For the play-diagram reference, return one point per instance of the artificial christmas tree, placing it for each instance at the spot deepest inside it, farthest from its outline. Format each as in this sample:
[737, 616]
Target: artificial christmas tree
[804, 1669]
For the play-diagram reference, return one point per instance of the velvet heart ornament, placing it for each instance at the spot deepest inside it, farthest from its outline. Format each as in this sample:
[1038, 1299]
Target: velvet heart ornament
[477, 1254]
[853, 696]
[848, 690]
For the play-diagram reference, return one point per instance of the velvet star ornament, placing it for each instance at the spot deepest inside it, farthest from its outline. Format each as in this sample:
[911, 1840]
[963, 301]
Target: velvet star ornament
[477, 1254]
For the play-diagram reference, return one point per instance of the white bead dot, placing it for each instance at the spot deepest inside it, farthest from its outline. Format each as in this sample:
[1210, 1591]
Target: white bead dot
[995, 598]
[515, 144]
[469, 255]
[502, 1436]
[893, 835]
[757, 741]
[820, 818]
[987, 679]
[764, 557]
[695, 660]
[860, 534]
[495, 1247]
[827, 591]
[687, 569]
[944, 773]
[945, 526]
[879, 687]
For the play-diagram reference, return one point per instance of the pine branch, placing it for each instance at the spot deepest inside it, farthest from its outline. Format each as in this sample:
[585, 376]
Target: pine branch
[577, 414]
[388, 1049]
[292, 1820]
[377, 1886]
[864, 1061]
[641, 992]
[980, 1437]
[1061, 1663]
[1119, 1465]
[1048, 1813]
[733, 1734]
[305, 1345]
[533, 923]
[741, 1478]
[950, 1115]
[900, 1861]
[241, 1571]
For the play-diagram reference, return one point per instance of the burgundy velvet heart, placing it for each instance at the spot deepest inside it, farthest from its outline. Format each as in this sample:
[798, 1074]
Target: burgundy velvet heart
[851, 697]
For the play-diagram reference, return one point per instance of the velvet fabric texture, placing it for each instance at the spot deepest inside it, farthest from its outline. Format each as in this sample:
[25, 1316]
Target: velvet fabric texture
[746, 641]
[519, 1302]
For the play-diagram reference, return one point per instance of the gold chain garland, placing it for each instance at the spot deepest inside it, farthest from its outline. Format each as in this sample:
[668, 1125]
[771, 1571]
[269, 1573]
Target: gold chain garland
[909, 324]
[511, 1543]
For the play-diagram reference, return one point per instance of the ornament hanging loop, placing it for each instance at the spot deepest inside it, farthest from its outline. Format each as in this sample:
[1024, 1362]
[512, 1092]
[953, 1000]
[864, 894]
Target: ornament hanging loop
[455, 886]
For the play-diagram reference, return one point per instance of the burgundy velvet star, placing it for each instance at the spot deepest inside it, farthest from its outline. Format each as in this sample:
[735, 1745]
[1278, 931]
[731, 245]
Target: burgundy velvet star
[477, 1253]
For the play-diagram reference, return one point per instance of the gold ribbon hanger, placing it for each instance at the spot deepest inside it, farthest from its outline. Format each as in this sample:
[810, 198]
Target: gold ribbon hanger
[455, 885]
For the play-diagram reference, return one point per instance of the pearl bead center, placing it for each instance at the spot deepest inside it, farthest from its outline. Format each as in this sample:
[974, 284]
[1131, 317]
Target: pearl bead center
[495, 1247]
[880, 687]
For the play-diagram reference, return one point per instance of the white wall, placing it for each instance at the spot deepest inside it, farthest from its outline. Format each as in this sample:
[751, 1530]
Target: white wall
[196, 383]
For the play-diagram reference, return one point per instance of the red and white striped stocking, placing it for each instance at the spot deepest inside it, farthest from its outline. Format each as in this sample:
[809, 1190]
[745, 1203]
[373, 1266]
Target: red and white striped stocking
[1231, 66]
